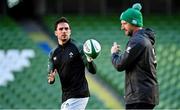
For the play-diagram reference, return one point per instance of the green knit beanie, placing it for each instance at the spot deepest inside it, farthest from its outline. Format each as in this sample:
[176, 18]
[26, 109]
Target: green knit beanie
[133, 15]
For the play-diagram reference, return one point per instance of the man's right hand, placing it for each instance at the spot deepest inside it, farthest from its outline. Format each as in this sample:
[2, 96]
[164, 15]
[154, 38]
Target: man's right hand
[51, 76]
[115, 48]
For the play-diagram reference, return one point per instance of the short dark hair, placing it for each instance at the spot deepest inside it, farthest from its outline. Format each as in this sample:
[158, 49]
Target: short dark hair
[61, 20]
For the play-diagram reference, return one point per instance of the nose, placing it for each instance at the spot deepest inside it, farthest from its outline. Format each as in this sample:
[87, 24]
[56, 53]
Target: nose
[122, 27]
[64, 30]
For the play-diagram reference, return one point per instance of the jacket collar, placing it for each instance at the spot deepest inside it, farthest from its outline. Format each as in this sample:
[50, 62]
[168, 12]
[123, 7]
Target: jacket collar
[68, 42]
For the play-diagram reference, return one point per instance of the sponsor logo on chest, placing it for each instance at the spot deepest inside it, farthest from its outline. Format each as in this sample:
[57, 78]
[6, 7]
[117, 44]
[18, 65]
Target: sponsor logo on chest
[71, 54]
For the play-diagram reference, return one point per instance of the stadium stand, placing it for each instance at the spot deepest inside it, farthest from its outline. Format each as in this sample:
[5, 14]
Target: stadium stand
[107, 30]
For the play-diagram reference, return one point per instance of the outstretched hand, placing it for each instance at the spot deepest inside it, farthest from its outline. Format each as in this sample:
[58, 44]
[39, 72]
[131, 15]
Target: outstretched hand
[51, 76]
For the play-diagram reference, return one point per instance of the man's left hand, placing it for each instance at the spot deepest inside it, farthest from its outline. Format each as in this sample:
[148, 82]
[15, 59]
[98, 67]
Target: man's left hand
[89, 59]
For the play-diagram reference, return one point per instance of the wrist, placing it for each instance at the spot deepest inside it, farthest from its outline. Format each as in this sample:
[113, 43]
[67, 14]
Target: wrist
[50, 81]
[89, 59]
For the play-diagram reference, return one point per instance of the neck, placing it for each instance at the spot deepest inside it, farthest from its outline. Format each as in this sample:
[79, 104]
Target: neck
[62, 42]
[136, 29]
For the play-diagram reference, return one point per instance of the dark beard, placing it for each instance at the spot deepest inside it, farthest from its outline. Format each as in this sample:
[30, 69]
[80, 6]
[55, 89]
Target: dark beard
[130, 33]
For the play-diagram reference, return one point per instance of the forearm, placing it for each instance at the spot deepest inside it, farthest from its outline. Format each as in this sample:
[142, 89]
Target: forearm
[117, 62]
[91, 67]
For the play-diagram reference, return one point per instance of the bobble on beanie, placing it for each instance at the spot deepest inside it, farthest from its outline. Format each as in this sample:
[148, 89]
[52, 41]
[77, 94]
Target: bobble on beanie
[137, 6]
[133, 15]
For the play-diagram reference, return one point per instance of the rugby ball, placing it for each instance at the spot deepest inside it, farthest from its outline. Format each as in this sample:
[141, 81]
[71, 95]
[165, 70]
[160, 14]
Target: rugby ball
[92, 48]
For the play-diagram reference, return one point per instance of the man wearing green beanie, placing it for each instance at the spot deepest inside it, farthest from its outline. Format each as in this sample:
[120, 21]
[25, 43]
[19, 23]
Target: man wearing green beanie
[138, 61]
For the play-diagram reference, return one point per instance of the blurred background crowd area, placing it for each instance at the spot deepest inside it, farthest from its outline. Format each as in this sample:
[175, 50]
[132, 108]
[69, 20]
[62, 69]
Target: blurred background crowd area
[84, 7]
[27, 36]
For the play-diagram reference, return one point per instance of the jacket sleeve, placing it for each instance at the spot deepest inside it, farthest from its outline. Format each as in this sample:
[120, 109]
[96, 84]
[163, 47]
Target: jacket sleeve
[123, 61]
[51, 66]
[91, 66]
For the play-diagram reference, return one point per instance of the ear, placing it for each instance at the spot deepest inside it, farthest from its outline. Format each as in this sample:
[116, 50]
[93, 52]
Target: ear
[70, 32]
[55, 33]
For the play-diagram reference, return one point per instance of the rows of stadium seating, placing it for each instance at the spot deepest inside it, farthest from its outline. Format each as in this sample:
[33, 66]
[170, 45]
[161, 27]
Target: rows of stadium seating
[168, 56]
[29, 88]
[107, 30]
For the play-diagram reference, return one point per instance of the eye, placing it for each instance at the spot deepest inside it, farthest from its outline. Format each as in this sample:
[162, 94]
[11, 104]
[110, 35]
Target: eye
[60, 29]
[66, 28]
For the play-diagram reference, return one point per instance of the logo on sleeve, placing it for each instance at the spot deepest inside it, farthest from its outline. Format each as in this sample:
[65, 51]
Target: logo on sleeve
[54, 58]
[128, 49]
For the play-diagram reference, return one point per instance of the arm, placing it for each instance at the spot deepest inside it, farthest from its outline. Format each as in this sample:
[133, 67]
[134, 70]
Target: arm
[90, 65]
[51, 76]
[51, 70]
[122, 61]
[88, 62]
